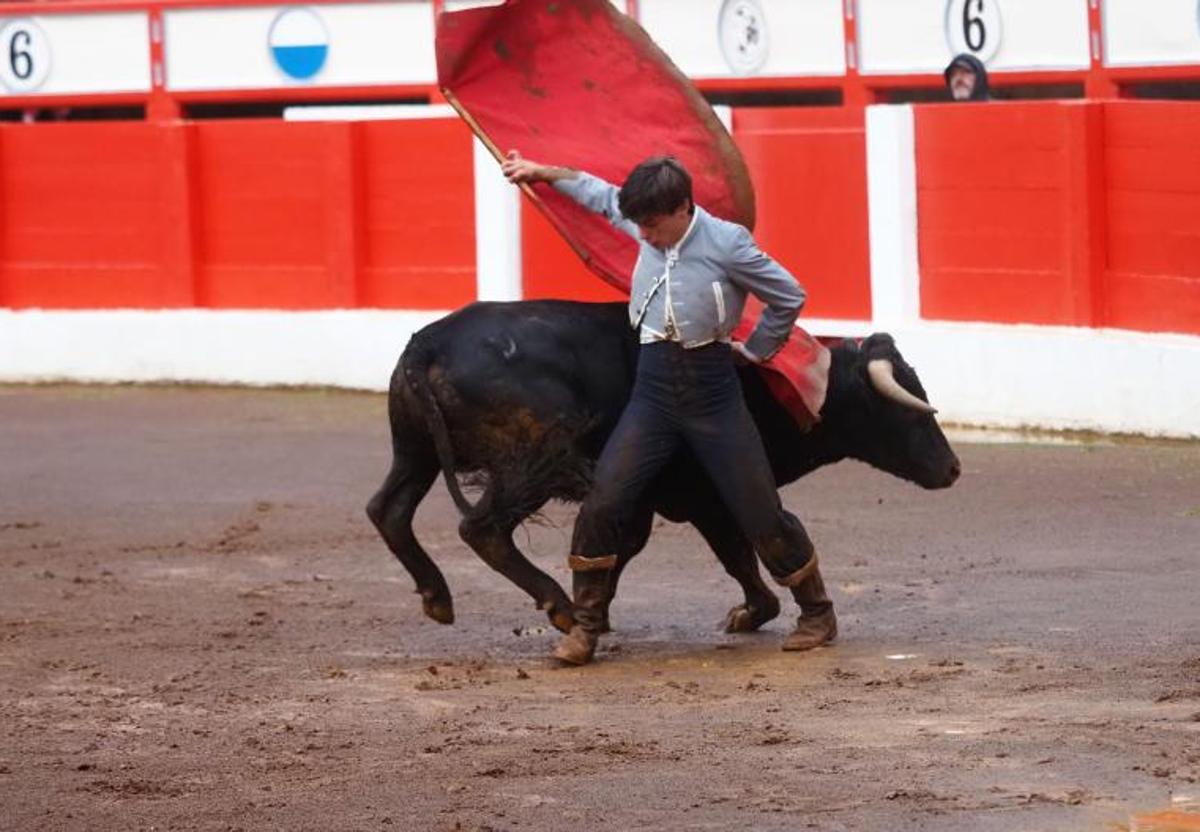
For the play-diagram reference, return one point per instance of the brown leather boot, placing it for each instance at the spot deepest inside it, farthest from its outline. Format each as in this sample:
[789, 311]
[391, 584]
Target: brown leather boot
[589, 579]
[817, 624]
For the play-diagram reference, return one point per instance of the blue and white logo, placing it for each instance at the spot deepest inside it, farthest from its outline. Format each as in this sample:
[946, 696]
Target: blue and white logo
[299, 42]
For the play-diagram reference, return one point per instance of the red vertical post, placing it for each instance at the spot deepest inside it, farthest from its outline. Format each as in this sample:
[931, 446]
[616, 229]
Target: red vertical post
[1098, 83]
[1086, 212]
[177, 219]
[343, 213]
[854, 91]
[160, 106]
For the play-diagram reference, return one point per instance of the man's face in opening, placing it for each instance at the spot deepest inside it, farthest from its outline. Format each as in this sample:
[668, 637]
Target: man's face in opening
[665, 230]
[962, 83]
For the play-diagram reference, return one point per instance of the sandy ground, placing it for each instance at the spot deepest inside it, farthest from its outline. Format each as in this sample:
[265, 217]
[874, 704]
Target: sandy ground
[200, 630]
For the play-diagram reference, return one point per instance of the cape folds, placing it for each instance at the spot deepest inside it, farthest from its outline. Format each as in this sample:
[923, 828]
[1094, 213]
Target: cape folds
[581, 85]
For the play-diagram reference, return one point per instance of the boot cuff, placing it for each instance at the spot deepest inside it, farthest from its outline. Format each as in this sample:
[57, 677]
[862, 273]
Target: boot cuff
[800, 575]
[579, 563]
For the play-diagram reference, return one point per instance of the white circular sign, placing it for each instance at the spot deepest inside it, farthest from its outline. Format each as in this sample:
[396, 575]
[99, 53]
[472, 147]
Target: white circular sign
[974, 27]
[299, 42]
[24, 55]
[742, 29]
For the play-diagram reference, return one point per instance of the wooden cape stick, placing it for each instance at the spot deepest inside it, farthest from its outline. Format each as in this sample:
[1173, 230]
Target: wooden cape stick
[525, 187]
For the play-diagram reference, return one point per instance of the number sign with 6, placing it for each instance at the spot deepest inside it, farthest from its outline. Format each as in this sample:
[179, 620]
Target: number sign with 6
[25, 56]
[975, 27]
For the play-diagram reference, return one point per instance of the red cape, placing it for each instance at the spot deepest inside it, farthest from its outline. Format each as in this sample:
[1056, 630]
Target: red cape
[581, 85]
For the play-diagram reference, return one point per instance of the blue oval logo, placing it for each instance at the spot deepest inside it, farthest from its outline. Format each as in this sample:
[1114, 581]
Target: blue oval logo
[299, 43]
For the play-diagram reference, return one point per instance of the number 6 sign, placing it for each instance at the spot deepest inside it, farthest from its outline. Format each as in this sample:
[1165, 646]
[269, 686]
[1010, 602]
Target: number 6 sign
[24, 55]
[974, 27]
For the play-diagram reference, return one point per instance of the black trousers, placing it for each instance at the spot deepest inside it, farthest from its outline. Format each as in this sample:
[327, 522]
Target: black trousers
[693, 398]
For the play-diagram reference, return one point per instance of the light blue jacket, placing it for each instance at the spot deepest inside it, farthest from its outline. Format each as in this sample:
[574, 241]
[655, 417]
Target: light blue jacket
[702, 282]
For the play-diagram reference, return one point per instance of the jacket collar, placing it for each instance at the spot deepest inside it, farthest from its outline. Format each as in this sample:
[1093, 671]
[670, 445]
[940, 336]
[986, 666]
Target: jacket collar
[673, 252]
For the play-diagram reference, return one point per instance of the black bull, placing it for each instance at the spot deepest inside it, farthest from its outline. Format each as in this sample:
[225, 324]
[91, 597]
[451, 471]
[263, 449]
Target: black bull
[521, 396]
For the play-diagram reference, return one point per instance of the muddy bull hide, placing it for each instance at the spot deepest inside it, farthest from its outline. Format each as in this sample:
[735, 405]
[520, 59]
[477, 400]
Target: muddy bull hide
[581, 85]
[525, 394]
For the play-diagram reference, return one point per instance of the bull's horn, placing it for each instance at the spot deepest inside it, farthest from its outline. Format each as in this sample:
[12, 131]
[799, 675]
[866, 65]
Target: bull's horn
[883, 377]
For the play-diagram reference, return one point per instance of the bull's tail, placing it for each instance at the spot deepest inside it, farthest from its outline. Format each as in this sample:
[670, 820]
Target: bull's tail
[415, 366]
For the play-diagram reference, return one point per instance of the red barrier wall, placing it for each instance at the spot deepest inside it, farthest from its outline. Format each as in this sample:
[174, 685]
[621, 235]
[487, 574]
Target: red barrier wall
[993, 198]
[1152, 166]
[809, 167]
[550, 269]
[1082, 214]
[237, 214]
[1078, 214]
[76, 205]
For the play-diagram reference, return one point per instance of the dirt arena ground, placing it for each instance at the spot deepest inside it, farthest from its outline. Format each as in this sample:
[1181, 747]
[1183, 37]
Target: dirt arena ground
[200, 630]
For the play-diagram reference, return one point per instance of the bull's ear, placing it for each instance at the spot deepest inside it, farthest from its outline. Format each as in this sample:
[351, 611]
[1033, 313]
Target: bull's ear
[879, 345]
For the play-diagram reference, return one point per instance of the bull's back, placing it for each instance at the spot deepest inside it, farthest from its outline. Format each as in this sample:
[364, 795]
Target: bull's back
[507, 376]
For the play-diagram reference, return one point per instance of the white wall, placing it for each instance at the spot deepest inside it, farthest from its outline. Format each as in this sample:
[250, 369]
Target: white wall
[803, 37]
[84, 53]
[1058, 378]
[342, 348]
[1151, 32]
[980, 374]
[369, 43]
[907, 36]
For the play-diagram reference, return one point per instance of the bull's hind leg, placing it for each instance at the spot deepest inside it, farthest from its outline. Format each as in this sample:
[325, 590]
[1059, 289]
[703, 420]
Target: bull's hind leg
[736, 554]
[392, 509]
[492, 540]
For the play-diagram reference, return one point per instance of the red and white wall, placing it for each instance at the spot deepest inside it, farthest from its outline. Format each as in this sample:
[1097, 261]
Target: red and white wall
[1039, 262]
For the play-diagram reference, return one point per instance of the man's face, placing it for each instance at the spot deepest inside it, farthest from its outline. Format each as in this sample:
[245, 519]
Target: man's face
[962, 83]
[665, 230]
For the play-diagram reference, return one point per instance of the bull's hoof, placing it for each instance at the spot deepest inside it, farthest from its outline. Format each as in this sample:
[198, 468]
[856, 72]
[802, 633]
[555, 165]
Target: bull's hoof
[812, 631]
[440, 611]
[747, 619]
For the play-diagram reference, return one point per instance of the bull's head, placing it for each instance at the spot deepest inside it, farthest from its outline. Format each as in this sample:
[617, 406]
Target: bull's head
[882, 416]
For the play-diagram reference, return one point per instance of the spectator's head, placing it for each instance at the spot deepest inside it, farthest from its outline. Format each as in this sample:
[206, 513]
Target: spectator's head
[657, 196]
[967, 79]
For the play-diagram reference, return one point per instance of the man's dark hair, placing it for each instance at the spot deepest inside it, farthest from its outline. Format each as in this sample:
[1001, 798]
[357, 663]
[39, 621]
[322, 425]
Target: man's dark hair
[657, 186]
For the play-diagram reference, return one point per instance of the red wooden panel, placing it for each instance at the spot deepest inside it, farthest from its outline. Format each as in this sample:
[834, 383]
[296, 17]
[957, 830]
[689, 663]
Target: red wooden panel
[994, 195]
[550, 269]
[262, 192]
[810, 179]
[80, 204]
[418, 222]
[1153, 179]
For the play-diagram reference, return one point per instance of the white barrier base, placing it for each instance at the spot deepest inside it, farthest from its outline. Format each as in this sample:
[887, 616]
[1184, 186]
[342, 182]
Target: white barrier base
[976, 374]
[356, 349]
[1058, 378]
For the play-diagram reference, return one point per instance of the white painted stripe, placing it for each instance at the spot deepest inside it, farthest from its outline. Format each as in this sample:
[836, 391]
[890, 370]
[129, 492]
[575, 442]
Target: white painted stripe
[892, 215]
[497, 230]
[368, 112]
[835, 327]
